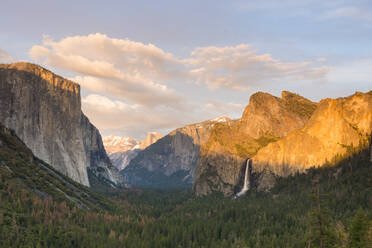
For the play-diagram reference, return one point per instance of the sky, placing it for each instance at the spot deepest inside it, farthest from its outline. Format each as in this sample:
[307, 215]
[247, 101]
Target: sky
[158, 65]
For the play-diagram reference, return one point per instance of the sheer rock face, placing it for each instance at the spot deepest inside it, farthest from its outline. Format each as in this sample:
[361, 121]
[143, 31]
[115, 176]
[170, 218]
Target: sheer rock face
[45, 112]
[266, 119]
[335, 125]
[267, 114]
[122, 159]
[171, 161]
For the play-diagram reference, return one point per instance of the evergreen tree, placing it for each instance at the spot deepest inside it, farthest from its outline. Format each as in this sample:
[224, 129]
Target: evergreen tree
[359, 231]
[322, 232]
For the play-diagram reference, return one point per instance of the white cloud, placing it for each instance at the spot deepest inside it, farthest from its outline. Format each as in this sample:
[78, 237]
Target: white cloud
[5, 57]
[133, 63]
[241, 67]
[99, 55]
[145, 79]
[134, 89]
[118, 117]
[120, 68]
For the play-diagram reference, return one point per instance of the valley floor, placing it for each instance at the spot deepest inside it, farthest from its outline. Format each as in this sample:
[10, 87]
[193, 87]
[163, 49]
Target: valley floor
[330, 205]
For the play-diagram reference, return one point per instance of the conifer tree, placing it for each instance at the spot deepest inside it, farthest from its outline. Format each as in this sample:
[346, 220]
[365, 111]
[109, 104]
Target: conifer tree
[359, 231]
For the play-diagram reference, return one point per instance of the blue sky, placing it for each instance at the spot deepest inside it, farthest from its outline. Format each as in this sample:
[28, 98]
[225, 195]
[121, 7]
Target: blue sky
[315, 48]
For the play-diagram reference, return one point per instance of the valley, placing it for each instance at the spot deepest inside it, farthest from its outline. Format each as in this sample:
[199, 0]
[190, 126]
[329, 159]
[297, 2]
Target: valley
[289, 172]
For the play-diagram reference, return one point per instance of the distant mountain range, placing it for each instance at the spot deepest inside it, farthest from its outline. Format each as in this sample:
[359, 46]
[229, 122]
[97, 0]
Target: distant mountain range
[121, 150]
[279, 135]
[172, 160]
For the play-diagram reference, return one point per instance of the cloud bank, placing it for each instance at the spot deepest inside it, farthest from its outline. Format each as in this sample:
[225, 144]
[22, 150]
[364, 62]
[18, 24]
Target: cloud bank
[146, 81]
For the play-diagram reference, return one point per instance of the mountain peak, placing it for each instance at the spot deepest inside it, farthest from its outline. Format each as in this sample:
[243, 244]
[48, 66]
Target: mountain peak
[115, 144]
[151, 138]
[268, 114]
[260, 97]
[287, 94]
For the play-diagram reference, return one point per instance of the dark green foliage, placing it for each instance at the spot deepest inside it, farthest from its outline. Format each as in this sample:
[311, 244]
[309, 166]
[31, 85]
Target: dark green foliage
[322, 233]
[359, 231]
[285, 217]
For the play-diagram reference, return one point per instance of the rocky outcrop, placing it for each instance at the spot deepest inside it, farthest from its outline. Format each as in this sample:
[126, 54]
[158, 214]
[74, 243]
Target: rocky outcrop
[44, 110]
[266, 119]
[336, 128]
[171, 161]
[267, 114]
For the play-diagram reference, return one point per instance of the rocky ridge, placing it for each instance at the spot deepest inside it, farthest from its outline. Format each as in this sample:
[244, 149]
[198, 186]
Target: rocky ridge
[171, 161]
[337, 127]
[45, 112]
[266, 119]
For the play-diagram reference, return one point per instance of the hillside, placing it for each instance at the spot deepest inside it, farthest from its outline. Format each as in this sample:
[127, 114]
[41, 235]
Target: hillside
[281, 218]
[21, 171]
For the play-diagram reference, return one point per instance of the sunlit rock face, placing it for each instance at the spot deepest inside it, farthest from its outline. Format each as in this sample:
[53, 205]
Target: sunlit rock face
[171, 161]
[335, 126]
[45, 112]
[266, 119]
[150, 139]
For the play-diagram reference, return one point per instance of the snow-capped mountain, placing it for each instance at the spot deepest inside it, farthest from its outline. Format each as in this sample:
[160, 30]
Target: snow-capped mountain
[121, 150]
[119, 144]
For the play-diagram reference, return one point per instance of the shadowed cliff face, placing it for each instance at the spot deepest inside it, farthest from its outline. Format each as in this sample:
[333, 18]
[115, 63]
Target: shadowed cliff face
[171, 161]
[335, 127]
[45, 112]
[266, 119]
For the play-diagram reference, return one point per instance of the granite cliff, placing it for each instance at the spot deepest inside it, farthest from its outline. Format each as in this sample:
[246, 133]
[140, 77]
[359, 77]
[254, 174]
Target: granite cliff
[337, 128]
[171, 161]
[23, 171]
[44, 110]
[266, 119]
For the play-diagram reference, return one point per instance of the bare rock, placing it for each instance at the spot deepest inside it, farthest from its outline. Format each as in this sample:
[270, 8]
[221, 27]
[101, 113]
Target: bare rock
[45, 111]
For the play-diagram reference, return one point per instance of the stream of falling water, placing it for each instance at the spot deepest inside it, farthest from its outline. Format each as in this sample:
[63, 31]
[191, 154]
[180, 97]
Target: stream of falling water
[246, 180]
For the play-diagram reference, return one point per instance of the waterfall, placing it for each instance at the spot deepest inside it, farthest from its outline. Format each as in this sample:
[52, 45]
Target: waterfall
[246, 180]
